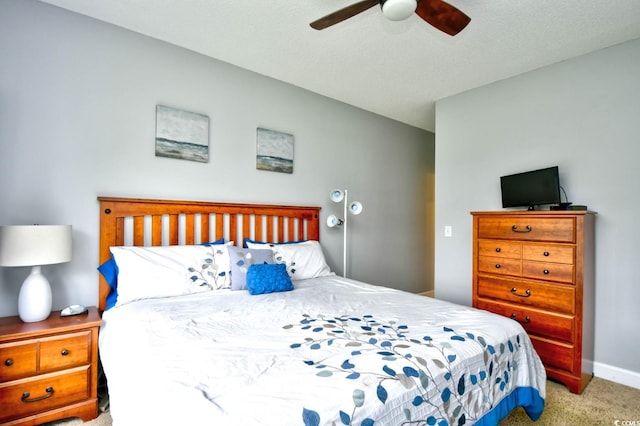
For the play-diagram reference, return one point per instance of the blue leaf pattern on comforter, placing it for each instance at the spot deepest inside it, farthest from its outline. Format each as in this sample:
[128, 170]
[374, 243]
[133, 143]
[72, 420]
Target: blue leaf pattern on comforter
[428, 366]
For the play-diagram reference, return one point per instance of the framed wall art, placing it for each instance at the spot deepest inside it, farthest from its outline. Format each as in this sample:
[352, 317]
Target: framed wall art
[274, 151]
[182, 134]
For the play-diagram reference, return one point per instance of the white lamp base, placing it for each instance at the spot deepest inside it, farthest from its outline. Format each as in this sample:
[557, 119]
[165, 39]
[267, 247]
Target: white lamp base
[34, 301]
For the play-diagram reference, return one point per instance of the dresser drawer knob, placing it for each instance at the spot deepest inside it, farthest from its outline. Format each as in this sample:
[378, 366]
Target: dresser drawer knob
[546, 272]
[497, 249]
[64, 352]
[526, 229]
[546, 253]
[527, 293]
[527, 319]
[26, 395]
[8, 362]
[497, 266]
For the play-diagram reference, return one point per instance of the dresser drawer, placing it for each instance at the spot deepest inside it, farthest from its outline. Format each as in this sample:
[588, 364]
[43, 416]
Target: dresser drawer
[554, 354]
[500, 248]
[18, 360]
[549, 297]
[549, 253]
[534, 321]
[528, 228]
[65, 351]
[498, 265]
[548, 271]
[45, 392]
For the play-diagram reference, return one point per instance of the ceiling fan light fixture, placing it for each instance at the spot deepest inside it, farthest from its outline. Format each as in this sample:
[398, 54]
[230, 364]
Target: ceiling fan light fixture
[398, 10]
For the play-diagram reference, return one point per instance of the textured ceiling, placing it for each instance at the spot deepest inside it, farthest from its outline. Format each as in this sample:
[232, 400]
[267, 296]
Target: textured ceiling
[395, 69]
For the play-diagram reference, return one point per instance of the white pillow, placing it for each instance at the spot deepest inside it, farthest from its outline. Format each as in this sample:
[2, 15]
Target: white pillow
[304, 260]
[148, 272]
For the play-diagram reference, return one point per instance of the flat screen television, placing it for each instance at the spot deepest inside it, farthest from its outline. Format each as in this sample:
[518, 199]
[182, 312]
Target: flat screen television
[531, 189]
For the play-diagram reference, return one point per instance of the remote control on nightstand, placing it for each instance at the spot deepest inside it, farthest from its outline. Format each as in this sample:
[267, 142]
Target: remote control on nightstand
[73, 310]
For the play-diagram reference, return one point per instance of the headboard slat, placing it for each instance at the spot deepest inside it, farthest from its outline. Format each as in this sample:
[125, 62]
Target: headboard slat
[204, 229]
[270, 220]
[188, 229]
[219, 226]
[138, 231]
[174, 230]
[156, 230]
[157, 220]
[280, 229]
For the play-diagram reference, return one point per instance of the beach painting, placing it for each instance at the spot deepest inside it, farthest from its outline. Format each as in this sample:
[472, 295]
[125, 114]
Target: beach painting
[274, 151]
[182, 134]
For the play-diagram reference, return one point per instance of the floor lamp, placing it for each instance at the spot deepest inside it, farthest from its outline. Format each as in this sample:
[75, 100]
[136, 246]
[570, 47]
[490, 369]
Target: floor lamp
[355, 208]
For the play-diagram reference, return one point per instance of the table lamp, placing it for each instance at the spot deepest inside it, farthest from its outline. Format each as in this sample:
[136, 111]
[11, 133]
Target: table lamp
[34, 245]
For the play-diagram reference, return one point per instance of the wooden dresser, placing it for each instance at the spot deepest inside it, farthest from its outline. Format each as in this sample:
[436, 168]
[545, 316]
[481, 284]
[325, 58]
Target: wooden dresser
[48, 369]
[537, 267]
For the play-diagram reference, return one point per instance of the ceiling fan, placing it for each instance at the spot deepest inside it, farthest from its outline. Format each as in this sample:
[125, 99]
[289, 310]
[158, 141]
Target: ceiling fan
[438, 13]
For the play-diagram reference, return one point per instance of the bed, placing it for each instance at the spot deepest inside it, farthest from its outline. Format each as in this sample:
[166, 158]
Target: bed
[273, 337]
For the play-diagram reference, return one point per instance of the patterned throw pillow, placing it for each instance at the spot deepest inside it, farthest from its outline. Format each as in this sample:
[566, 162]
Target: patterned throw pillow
[268, 278]
[304, 259]
[162, 271]
[241, 259]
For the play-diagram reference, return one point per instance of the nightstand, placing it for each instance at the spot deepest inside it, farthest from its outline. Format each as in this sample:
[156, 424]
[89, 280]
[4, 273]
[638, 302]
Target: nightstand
[48, 369]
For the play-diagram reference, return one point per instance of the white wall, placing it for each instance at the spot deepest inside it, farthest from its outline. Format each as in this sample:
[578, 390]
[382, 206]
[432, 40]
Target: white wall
[584, 116]
[77, 120]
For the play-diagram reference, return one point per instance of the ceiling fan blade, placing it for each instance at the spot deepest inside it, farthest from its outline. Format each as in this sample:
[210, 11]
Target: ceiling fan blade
[343, 14]
[442, 16]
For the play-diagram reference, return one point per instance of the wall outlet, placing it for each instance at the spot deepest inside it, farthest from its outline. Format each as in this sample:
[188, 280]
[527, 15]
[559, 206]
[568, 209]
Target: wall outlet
[448, 231]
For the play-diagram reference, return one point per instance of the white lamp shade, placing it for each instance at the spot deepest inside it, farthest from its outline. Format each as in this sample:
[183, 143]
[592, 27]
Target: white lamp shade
[355, 207]
[398, 10]
[34, 245]
[333, 221]
[337, 195]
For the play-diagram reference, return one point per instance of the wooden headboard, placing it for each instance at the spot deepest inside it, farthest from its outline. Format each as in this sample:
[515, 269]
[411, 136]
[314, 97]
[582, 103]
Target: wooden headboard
[146, 222]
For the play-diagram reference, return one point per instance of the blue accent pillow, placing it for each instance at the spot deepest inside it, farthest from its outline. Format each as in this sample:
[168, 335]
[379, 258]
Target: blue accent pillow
[268, 278]
[109, 270]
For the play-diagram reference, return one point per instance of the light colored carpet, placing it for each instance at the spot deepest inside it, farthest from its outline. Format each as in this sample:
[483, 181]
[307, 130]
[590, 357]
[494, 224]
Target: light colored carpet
[602, 403]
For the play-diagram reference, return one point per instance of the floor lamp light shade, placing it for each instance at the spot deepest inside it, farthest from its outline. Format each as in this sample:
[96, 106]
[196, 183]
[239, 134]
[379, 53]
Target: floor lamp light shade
[35, 245]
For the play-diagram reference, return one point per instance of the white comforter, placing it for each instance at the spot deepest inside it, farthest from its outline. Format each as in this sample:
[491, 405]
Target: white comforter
[333, 351]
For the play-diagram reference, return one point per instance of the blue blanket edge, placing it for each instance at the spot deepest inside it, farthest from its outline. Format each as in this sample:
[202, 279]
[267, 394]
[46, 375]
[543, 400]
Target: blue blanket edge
[527, 397]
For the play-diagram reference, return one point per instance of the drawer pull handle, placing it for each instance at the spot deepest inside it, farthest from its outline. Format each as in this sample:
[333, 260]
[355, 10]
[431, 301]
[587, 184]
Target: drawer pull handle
[64, 352]
[26, 395]
[526, 320]
[497, 266]
[8, 362]
[546, 253]
[527, 293]
[546, 272]
[527, 228]
[497, 249]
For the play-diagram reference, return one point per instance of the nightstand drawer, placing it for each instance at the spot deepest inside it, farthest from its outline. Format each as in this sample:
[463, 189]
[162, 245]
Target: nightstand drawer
[45, 392]
[561, 229]
[65, 351]
[534, 321]
[18, 360]
[558, 298]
